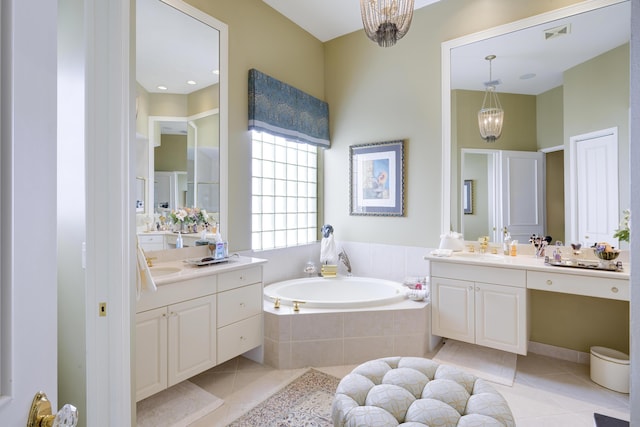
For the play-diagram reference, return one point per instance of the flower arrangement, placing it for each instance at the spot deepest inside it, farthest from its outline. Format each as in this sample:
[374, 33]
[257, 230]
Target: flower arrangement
[623, 233]
[189, 216]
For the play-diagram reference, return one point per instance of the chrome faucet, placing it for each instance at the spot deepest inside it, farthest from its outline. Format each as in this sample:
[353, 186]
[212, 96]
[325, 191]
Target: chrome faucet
[342, 256]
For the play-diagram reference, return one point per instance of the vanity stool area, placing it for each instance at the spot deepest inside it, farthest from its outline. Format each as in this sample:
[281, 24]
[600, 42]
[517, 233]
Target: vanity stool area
[418, 392]
[503, 302]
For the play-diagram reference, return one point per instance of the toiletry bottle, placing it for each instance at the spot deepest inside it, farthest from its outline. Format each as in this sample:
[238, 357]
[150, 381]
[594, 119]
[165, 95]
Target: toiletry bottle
[514, 247]
[179, 241]
[507, 242]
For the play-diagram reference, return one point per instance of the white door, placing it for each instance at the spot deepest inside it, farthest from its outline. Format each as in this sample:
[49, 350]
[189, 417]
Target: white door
[28, 282]
[523, 193]
[594, 173]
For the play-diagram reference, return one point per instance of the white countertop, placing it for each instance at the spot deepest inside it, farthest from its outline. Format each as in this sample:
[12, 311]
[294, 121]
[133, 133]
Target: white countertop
[526, 262]
[188, 271]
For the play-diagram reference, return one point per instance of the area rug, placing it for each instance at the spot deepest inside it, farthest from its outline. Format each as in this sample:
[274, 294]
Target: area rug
[177, 406]
[306, 401]
[492, 365]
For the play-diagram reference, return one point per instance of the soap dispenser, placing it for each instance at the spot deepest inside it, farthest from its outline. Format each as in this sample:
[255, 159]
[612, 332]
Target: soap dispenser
[179, 241]
[507, 242]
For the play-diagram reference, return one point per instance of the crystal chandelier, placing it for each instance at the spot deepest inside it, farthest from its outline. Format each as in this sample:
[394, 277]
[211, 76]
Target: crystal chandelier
[386, 21]
[491, 116]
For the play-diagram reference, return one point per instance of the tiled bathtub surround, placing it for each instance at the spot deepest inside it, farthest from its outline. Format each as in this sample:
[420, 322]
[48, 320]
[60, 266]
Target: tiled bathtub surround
[316, 337]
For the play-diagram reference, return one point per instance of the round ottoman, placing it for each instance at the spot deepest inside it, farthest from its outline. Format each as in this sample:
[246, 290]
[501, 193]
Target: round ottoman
[416, 392]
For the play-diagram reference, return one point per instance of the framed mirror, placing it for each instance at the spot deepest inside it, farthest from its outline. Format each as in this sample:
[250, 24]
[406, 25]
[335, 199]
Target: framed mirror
[539, 58]
[181, 107]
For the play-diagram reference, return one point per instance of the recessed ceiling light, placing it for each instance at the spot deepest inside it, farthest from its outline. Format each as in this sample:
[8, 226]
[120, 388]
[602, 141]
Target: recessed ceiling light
[191, 82]
[527, 76]
[216, 71]
[162, 87]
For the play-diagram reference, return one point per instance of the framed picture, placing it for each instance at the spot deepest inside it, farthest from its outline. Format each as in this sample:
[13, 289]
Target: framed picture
[467, 197]
[376, 179]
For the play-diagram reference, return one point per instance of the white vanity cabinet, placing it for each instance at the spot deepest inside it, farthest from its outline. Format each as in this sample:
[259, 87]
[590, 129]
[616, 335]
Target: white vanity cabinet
[480, 305]
[191, 325]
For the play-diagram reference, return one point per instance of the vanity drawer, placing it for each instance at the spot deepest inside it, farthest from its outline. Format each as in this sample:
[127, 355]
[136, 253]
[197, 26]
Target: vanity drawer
[238, 304]
[239, 337]
[601, 287]
[480, 273]
[237, 278]
[151, 242]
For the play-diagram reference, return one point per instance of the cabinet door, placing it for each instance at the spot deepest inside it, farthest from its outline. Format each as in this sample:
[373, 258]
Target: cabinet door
[452, 314]
[501, 317]
[192, 338]
[151, 352]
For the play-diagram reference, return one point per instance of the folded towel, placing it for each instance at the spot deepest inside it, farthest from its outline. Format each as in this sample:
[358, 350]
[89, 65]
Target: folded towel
[442, 252]
[144, 280]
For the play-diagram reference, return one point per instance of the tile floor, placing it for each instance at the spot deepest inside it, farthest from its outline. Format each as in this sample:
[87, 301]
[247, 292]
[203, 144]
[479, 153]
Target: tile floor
[546, 392]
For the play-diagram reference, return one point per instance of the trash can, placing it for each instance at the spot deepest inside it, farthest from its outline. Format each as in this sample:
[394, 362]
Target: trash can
[610, 369]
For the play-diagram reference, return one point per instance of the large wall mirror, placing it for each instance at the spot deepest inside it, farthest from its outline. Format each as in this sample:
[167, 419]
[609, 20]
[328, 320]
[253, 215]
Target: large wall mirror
[181, 108]
[562, 77]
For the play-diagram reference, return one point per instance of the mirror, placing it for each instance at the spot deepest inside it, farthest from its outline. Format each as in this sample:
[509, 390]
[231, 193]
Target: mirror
[181, 107]
[531, 84]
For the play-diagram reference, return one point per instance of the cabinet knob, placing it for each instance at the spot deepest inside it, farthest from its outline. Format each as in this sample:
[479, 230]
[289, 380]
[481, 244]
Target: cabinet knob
[470, 288]
[549, 282]
[242, 305]
[614, 290]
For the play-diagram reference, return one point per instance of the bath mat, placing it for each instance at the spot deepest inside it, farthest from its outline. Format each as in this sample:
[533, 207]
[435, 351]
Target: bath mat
[177, 406]
[306, 401]
[483, 362]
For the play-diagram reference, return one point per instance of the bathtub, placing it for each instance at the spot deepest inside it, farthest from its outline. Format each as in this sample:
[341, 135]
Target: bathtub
[343, 321]
[337, 292]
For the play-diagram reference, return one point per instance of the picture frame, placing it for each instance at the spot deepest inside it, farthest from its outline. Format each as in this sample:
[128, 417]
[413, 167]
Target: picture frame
[376, 179]
[467, 197]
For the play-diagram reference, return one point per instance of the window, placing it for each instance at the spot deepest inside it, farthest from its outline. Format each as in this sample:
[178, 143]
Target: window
[284, 189]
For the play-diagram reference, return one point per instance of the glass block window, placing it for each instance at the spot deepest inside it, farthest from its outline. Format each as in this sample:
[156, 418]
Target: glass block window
[284, 191]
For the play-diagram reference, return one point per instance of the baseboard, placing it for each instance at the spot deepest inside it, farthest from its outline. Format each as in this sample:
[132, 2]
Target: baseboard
[559, 353]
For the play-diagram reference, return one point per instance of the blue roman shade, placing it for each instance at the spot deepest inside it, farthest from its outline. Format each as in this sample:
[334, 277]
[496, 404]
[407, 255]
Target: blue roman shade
[282, 110]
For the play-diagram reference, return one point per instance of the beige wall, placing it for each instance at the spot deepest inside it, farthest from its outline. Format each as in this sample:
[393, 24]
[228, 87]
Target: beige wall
[378, 94]
[550, 115]
[259, 37]
[171, 155]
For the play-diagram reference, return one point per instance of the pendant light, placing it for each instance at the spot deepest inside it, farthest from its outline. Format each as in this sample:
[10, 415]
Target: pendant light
[386, 21]
[491, 115]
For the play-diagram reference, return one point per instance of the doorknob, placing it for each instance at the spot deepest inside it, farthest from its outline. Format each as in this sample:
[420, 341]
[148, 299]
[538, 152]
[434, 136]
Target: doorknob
[40, 413]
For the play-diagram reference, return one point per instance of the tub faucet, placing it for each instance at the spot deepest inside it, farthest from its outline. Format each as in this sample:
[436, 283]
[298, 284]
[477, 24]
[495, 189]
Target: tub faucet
[342, 256]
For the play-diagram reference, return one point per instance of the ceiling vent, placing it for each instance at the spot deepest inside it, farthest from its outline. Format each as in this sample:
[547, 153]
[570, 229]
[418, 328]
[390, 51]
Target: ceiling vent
[552, 33]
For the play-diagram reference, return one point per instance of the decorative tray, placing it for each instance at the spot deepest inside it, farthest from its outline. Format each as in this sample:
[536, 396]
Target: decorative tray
[205, 261]
[585, 264]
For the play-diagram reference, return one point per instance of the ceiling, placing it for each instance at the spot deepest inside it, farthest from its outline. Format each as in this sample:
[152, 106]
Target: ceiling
[327, 19]
[173, 48]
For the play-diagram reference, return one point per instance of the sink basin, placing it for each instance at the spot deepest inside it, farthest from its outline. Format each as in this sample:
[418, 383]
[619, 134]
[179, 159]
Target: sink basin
[163, 271]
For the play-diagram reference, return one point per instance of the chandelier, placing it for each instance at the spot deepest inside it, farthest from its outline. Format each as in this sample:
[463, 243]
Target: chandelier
[386, 21]
[491, 116]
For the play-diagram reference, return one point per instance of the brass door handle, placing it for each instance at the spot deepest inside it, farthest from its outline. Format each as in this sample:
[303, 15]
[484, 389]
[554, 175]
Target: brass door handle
[40, 414]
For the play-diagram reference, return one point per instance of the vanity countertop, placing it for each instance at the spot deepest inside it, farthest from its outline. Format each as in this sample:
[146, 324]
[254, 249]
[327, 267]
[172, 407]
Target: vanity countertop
[186, 271]
[527, 262]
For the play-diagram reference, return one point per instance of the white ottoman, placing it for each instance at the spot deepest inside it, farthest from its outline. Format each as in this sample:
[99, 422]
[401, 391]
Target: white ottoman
[416, 392]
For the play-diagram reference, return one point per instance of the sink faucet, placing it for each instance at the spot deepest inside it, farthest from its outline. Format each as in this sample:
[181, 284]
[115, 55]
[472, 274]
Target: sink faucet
[484, 243]
[342, 256]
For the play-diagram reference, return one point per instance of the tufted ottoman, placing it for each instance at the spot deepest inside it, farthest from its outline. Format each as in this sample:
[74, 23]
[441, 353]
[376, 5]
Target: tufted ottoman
[416, 392]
